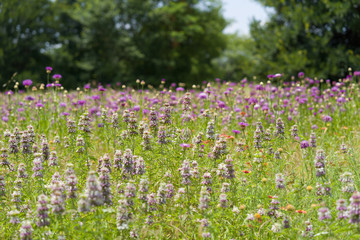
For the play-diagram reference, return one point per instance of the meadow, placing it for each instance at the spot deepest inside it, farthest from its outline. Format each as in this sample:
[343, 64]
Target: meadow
[276, 159]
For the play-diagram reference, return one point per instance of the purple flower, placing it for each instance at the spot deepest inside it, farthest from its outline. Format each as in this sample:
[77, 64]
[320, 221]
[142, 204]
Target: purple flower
[87, 86]
[39, 105]
[48, 69]
[236, 131]
[49, 85]
[184, 145]
[101, 89]
[57, 76]
[203, 96]
[301, 75]
[243, 125]
[180, 89]
[357, 73]
[136, 108]
[29, 98]
[314, 127]
[95, 97]
[27, 82]
[304, 144]
[327, 119]
[221, 104]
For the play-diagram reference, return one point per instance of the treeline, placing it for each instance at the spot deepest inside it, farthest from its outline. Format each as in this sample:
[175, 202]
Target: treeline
[112, 41]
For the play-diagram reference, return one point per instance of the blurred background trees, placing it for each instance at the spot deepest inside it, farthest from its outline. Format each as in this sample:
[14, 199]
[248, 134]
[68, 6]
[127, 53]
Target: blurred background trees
[180, 40]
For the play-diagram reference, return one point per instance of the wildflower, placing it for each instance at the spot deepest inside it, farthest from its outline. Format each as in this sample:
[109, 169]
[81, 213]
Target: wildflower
[43, 211]
[257, 139]
[2, 186]
[286, 223]
[347, 181]
[117, 159]
[294, 132]
[71, 181]
[341, 207]
[204, 198]
[130, 193]
[26, 230]
[185, 173]
[84, 203]
[354, 208]
[324, 213]
[27, 83]
[14, 216]
[210, 130]
[143, 188]
[123, 215]
[280, 181]
[37, 169]
[223, 200]
[320, 163]
[146, 144]
[162, 135]
[308, 230]
[327, 119]
[57, 201]
[105, 184]
[93, 190]
[53, 159]
[243, 125]
[279, 128]
[161, 194]
[304, 144]
[276, 227]
[128, 164]
[57, 77]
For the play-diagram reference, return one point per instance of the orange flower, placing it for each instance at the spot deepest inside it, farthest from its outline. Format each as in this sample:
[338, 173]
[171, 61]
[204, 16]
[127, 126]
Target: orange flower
[270, 197]
[344, 127]
[246, 171]
[243, 113]
[205, 142]
[301, 211]
[257, 216]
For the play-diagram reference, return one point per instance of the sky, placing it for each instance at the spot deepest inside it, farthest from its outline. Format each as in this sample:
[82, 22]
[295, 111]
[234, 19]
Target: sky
[242, 12]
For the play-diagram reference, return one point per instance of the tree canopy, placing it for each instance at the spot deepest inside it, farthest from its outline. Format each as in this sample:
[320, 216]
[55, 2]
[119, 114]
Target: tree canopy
[111, 40]
[321, 37]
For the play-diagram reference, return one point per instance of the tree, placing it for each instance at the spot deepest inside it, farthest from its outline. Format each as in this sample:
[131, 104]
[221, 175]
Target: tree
[111, 40]
[26, 30]
[320, 37]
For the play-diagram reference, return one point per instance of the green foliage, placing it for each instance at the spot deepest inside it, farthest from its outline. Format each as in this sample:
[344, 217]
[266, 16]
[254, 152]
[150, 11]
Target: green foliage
[320, 37]
[26, 30]
[111, 41]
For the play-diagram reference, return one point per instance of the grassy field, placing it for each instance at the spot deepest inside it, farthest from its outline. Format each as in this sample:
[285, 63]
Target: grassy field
[220, 160]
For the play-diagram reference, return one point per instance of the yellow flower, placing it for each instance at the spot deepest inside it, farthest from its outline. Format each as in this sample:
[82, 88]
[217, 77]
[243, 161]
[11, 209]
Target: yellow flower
[309, 188]
[264, 180]
[290, 208]
[257, 216]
